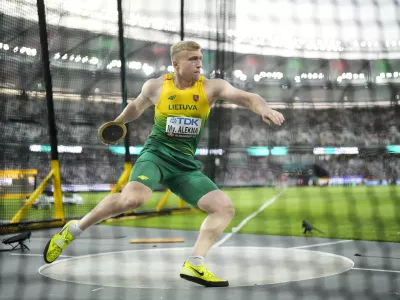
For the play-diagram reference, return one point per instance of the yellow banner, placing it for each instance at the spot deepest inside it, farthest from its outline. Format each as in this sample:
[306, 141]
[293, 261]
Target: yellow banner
[18, 173]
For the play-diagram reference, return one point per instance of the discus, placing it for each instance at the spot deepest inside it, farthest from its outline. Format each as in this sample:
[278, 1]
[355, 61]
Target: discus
[112, 132]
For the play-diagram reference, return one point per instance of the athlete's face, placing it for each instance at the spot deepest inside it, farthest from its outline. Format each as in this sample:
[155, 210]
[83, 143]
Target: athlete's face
[188, 64]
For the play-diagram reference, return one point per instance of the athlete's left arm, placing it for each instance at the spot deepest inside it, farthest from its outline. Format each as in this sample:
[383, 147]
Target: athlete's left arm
[221, 89]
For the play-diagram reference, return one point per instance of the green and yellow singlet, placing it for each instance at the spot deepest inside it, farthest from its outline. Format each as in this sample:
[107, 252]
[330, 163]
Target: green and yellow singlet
[180, 116]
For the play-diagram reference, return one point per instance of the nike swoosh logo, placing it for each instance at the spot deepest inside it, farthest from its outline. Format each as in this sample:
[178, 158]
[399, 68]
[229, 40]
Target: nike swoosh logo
[200, 273]
[61, 232]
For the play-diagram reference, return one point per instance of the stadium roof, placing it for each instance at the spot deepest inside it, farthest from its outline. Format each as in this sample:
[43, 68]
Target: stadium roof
[363, 29]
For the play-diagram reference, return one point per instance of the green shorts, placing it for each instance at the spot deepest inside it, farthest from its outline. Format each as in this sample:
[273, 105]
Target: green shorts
[178, 172]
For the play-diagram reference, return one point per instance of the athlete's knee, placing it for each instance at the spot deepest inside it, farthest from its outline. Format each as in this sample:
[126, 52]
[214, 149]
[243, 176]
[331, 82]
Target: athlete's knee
[132, 202]
[228, 208]
[217, 202]
[134, 195]
[224, 207]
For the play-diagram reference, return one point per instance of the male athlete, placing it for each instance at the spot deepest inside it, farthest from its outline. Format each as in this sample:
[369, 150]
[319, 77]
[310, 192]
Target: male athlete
[182, 102]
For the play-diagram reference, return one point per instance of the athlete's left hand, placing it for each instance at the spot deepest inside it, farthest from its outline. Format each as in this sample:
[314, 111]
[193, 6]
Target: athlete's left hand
[271, 116]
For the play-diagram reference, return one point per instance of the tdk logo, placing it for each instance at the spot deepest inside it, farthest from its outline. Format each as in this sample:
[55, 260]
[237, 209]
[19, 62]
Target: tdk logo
[185, 121]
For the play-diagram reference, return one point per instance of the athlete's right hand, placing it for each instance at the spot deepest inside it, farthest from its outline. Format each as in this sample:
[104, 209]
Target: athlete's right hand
[271, 116]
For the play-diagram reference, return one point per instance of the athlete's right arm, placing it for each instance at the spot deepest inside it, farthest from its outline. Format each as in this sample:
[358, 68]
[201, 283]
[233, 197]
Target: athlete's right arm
[136, 107]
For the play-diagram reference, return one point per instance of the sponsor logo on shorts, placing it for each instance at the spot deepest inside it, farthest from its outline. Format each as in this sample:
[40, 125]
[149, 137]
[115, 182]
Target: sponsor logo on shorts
[143, 177]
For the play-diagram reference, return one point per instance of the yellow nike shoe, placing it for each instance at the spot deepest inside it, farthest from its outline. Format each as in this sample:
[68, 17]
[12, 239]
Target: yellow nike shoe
[58, 243]
[201, 275]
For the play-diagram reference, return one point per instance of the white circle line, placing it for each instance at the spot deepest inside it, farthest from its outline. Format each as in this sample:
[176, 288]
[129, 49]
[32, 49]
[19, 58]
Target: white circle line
[189, 248]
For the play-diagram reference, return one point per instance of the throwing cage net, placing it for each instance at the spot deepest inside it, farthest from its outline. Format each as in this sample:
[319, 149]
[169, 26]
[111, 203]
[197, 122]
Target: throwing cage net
[316, 199]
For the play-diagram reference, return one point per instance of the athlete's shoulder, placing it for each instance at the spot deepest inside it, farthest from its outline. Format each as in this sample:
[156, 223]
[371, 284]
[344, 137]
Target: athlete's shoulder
[214, 81]
[155, 81]
[152, 85]
[214, 84]
[202, 78]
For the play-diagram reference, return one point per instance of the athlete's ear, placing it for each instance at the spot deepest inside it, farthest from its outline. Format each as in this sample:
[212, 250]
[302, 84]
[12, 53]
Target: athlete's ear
[174, 64]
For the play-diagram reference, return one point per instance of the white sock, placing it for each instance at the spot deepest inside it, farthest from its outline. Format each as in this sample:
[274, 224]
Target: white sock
[75, 230]
[196, 260]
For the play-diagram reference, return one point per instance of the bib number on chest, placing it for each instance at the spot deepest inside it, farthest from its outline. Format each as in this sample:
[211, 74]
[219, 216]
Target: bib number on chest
[183, 127]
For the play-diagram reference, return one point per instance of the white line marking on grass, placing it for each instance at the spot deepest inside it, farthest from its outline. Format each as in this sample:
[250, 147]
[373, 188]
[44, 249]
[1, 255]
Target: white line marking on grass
[22, 254]
[241, 224]
[323, 244]
[376, 270]
[97, 289]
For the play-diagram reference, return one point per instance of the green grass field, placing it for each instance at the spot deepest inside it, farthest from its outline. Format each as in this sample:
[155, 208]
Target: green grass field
[367, 213]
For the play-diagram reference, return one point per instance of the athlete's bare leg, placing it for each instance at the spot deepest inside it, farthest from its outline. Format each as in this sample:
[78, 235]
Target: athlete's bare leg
[220, 212]
[134, 195]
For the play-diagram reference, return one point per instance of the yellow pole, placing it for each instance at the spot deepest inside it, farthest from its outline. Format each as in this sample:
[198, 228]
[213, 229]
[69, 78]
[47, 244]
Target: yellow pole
[36, 193]
[127, 169]
[58, 204]
[181, 203]
[123, 179]
[163, 200]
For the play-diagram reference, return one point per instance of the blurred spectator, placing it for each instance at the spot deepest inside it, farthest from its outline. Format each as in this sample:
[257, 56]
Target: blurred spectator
[77, 123]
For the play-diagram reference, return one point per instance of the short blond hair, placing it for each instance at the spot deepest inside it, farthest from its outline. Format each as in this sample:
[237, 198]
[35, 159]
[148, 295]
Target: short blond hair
[183, 45]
